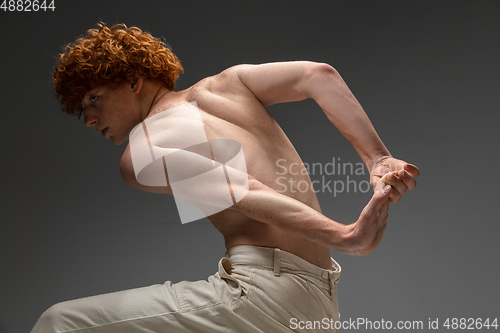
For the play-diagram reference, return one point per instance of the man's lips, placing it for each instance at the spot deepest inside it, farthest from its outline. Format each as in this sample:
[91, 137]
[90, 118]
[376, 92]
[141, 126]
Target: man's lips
[105, 131]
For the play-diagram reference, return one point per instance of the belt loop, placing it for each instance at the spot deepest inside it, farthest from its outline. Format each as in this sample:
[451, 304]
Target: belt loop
[331, 283]
[277, 262]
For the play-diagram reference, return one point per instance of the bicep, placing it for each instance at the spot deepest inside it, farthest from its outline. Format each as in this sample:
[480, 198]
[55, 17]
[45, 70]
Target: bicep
[279, 82]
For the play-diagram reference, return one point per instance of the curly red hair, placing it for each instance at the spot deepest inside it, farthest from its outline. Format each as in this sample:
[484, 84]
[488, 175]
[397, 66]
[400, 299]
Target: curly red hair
[111, 56]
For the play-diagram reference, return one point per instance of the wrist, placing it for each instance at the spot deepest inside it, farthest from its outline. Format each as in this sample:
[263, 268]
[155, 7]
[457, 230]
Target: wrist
[376, 160]
[349, 240]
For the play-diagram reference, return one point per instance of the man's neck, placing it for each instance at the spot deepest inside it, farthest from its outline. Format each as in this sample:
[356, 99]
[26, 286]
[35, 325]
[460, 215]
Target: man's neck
[156, 93]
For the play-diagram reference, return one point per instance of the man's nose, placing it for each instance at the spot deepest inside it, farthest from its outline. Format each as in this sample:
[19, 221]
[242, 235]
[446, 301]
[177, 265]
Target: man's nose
[91, 120]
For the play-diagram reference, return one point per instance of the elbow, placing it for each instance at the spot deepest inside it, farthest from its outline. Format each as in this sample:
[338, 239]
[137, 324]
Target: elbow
[320, 70]
[322, 77]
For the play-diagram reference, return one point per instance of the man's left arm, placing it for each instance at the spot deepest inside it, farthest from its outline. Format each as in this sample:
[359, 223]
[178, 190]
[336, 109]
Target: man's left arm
[274, 83]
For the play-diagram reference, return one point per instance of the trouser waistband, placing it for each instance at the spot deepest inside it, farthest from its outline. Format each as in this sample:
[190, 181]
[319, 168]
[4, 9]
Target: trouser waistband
[280, 261]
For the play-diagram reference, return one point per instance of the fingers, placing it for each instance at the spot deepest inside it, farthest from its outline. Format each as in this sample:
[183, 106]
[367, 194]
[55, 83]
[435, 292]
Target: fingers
[397, 188]
[369, 228]
[407, 179]
[382, 209]
[412, 170]
[401, 181]
[374, 181]
[379, 198]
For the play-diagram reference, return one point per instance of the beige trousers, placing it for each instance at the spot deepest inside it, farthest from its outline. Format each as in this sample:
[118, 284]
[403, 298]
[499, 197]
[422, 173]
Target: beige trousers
[256, 289]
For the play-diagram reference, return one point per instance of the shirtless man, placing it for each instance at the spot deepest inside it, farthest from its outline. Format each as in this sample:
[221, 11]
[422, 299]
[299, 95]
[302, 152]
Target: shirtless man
[279, 270]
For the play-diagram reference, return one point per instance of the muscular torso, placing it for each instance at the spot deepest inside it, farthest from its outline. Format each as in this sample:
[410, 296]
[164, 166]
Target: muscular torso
[230, 111]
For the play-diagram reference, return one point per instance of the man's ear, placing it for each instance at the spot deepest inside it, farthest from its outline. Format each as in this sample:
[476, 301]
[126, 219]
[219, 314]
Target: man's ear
[136, 84]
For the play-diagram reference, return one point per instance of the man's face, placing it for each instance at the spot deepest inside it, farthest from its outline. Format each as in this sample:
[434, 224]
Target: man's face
[112, 111]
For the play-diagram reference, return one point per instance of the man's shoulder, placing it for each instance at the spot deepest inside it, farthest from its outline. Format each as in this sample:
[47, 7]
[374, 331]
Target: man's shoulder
[223, 83]
[227, 75]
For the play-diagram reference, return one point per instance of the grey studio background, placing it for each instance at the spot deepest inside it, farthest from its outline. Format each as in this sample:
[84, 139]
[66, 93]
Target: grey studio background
[426, 72]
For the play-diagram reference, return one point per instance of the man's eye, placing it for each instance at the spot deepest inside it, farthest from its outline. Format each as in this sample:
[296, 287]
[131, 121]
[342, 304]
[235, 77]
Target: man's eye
[93, 99]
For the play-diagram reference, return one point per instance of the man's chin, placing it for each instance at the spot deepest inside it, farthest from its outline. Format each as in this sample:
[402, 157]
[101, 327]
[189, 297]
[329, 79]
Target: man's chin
[117, 141]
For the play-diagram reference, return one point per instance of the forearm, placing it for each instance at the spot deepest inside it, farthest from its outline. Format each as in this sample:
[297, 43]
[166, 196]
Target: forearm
[334, 97]
[266, 205]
